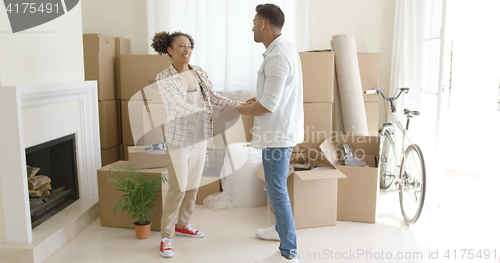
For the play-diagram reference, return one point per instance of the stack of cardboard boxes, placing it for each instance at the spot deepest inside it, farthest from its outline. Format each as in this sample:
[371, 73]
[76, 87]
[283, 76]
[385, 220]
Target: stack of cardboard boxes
[100, 58]
[357, 194]
[140, 97]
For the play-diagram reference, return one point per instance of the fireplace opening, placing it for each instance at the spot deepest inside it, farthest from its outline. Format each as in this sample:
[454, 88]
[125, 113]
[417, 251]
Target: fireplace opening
[56, 178]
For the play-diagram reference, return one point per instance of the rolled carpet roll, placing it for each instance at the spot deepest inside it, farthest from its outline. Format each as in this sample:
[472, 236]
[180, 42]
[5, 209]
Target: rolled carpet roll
[349, 82]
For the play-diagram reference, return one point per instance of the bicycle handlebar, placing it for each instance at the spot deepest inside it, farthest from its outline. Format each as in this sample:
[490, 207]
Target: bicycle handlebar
[381, 92]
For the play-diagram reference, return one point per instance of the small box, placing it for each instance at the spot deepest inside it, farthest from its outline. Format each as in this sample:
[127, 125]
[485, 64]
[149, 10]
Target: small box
[139, 71]
[146, 159]
[357, 195]
[110, 155]
[109, 196]
[318, 124]
[109, 125]
[99, 60]
[208, 188]
[313, 193]
[318, 75]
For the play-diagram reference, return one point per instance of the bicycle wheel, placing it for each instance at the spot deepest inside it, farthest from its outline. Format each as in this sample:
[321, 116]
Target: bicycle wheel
[387, 163]
[412, 185]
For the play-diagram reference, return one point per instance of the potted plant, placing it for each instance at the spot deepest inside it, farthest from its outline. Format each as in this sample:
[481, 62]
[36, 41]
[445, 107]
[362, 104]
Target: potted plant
[140, 193]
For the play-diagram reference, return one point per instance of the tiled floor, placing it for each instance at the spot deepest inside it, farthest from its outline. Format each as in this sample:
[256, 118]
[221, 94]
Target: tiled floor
[230, 238]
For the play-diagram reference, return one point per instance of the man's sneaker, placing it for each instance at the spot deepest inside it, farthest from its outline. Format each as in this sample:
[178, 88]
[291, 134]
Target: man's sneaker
[268, 233]
[278, 258]
[166, 250]
[188, 231]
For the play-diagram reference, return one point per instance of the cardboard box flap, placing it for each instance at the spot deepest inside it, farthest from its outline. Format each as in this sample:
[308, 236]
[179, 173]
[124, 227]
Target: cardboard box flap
[330, 152]
[368, 144]
[318, 174]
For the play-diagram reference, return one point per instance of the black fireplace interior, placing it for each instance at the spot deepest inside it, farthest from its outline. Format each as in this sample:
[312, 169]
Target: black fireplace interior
[57, 160]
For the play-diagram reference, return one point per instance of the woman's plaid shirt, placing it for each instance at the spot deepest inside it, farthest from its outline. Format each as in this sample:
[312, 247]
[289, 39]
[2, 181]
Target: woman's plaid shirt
[173, 94]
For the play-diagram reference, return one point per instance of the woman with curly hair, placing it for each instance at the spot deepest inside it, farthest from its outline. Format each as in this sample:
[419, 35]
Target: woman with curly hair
[188, 96]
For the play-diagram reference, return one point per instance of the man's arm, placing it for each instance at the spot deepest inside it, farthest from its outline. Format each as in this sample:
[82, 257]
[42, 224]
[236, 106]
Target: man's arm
[252, 109]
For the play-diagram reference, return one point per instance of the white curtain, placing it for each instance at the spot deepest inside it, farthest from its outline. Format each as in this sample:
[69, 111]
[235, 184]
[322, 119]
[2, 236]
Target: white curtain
[405, 45]
[222, 31]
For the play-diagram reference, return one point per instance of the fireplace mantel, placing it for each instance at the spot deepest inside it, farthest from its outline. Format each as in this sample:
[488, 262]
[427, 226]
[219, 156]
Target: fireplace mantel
[13, 178]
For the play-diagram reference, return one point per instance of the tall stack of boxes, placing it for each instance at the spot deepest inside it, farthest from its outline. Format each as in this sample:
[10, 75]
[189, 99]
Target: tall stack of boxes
[321, 197]
[100, 53]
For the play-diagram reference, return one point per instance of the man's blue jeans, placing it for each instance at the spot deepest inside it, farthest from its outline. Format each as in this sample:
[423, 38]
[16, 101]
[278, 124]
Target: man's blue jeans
[276, 162]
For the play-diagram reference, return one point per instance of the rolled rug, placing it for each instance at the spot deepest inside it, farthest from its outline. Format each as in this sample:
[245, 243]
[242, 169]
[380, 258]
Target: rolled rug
[349, 83]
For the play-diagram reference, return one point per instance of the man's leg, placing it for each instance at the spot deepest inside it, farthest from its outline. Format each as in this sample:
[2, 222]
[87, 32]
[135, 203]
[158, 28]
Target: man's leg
[276, 162]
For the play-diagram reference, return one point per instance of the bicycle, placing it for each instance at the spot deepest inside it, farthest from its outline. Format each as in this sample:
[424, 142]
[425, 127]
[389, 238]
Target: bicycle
[410, 180]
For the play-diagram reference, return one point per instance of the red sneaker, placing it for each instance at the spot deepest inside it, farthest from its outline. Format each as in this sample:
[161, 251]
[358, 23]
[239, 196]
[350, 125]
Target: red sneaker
[166, 250]
[188, 231]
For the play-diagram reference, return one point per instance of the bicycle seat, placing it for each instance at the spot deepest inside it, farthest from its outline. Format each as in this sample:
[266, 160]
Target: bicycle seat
[410, 113]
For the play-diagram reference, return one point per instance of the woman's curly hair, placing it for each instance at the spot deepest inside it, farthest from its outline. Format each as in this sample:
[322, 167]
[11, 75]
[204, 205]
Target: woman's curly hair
[163, 39]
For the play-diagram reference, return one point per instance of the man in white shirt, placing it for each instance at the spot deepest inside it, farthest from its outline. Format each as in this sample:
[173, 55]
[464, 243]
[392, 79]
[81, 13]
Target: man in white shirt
[279, 123]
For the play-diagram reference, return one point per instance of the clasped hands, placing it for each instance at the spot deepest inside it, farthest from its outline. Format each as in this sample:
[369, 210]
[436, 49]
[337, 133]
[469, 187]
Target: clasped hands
[230, 113]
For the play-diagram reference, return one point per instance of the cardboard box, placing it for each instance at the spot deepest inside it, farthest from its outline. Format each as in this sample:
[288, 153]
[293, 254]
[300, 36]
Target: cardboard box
[110, 155]
[109, 126]
[318, 124]
[122, 47]
[124, 152]
[208, 189]
[142, 159]
[372, 113]
[148, 130]
[357, 195]
[109, 196]
[313, 194]
[99, 60]
[318, 75]
[139, 71]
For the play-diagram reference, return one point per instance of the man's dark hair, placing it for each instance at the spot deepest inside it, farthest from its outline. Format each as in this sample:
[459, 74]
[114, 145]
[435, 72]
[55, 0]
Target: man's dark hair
[271, 13]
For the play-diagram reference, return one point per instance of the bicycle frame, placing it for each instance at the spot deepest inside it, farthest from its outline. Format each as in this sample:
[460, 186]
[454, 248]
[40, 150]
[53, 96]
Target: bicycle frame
[393, 118]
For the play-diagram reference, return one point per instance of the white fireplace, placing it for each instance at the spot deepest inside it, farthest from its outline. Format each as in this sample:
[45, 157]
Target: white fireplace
[31, 115]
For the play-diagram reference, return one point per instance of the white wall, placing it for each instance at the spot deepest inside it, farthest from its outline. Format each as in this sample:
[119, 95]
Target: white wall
[49, 53]
[118, 18]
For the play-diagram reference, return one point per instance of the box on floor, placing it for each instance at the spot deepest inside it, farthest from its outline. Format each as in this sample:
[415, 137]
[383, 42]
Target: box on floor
[109, 196]
[357, 195]
[313, 193]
